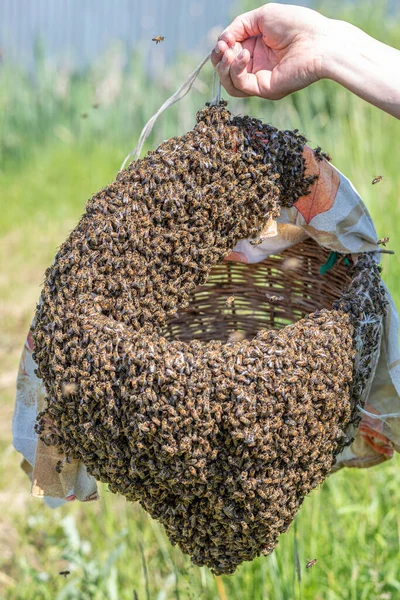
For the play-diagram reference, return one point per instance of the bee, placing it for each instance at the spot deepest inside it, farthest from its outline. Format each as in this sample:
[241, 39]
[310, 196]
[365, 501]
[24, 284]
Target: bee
[383, 241]
[319, 155]
[65, 573]
[311, 563]
[291, 264]
[59, 466]
[158, 39]
[256, 241]
[84, 115]
[229, 301]
[274, 299]
[377, 179]
[236, 336]
[67, 389]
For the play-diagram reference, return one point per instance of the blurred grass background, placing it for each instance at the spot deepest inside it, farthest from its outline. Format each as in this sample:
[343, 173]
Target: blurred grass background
[63, 135]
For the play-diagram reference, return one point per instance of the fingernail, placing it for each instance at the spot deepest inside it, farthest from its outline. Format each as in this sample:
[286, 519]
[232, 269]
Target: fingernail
[217, 49]
[240, 55]
[225, 58]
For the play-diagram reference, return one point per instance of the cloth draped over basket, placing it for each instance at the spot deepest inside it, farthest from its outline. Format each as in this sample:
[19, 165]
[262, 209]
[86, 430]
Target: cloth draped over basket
[334, 216]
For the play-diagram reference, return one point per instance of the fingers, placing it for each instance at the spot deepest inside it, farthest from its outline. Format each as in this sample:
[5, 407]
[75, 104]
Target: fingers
[242, 80]
[218, 52]
[223, 68]
[244, 26]
[235, 77]
[232, 61]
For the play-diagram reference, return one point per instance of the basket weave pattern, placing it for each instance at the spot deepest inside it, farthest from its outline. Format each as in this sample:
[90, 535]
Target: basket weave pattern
[266, 295]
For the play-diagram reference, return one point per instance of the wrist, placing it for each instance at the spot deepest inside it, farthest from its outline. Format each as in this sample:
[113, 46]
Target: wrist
[363, 65]
[340, 50]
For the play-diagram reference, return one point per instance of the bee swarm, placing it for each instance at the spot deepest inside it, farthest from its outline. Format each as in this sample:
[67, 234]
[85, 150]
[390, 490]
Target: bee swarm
[219, 441]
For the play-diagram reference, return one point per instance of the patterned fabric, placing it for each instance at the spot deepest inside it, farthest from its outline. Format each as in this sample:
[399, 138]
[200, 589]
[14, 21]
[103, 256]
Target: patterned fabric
[334, 215]
[39, 462]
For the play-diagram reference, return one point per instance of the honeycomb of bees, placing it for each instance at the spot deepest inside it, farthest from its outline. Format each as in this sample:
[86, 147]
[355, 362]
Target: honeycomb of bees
[220, 440]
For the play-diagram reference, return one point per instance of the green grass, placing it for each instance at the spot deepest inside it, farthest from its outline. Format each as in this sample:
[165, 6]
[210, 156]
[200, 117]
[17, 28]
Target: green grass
[51, 161]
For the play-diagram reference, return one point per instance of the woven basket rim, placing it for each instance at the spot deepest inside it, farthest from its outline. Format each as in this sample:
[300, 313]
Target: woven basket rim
[266, 295]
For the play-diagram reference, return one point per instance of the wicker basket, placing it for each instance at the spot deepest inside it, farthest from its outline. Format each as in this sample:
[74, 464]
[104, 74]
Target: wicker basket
[218, 441]
[266, 295]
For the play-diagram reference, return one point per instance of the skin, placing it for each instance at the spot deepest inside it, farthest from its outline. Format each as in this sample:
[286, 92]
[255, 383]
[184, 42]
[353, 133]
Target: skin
[279, 49]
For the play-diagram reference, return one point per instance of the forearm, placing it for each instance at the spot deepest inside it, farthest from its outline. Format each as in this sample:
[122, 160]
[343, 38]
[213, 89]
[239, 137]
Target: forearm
[364, 66]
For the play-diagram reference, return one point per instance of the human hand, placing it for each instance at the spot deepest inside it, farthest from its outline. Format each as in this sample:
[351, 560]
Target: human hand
[272, 51]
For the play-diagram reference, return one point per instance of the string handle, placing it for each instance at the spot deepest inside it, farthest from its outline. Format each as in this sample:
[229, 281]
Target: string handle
[216, 89]
[178, 95]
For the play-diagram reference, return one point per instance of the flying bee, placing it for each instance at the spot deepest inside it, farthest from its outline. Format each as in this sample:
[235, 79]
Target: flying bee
[158, 39]
[67, 389]
[311, 563]
[383, 241]
[377, 179]
[236, 336]
[291, 264]
[65, 573]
